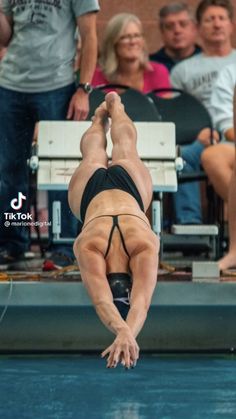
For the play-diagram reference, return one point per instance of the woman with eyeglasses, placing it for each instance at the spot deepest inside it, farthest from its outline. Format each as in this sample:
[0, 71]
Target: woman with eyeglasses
[124, 57]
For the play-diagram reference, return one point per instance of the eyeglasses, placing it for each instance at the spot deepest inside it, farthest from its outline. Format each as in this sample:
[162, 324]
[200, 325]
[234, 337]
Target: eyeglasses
[125, 39]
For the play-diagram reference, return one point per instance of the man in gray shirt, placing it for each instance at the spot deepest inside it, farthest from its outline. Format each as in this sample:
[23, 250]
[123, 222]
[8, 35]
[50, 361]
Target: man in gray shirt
[37, 83]
[197, 76]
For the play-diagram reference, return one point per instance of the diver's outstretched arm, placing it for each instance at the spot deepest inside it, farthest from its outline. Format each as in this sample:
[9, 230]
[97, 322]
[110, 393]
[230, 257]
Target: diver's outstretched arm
[93, 272]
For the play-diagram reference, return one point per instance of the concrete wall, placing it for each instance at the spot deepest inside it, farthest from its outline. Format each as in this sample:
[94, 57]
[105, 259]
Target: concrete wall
[146, 10]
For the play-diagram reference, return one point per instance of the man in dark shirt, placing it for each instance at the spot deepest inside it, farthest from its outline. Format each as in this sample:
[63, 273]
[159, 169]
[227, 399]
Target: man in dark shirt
[179, 34]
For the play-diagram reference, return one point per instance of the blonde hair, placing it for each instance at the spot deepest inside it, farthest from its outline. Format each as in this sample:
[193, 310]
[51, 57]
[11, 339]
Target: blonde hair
[108, 59]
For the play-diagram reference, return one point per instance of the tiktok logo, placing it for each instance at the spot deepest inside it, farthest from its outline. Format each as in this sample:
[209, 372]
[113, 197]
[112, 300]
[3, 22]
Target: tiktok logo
[16, 203]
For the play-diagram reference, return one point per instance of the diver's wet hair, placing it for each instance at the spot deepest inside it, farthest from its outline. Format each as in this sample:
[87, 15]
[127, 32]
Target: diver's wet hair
[121, 284]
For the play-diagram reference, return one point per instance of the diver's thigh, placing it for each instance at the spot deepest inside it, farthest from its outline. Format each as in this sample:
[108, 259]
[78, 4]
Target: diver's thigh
[78, 183]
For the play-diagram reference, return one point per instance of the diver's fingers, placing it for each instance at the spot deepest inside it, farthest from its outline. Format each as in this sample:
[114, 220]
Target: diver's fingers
[106, 351]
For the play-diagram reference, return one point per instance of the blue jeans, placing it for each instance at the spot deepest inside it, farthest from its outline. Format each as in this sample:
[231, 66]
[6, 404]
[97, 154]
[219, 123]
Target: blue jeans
[18, 114]
[187, 200]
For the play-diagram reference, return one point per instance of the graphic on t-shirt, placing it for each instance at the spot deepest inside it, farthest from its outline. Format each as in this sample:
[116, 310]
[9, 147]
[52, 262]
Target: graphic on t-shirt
[204, 79]
[36, 11]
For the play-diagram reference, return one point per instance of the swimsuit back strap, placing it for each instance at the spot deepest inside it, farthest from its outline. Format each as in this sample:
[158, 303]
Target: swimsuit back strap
[116, 225]
[122, 237]
[110, 237]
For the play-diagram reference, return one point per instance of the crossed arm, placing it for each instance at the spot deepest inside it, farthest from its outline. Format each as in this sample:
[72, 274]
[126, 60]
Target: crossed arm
[143, 264]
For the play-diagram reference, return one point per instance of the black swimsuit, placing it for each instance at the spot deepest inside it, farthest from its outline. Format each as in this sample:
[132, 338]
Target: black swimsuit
[114, 177]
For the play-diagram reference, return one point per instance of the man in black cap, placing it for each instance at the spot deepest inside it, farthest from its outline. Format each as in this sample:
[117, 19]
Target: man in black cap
[117, 251]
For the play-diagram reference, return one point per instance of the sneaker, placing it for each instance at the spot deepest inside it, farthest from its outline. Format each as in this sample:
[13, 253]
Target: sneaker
[7, 260]
[57, 261]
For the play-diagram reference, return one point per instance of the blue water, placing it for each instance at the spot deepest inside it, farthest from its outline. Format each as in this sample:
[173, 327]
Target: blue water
[160, 387]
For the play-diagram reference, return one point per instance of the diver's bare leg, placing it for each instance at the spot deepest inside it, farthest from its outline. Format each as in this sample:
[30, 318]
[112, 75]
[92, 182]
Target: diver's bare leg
[124, 153]
[94, 139]
[123, 131]
[93, 149]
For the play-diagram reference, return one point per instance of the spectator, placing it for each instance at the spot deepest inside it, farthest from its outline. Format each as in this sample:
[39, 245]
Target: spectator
[219, 160]
[229, 260]
[124, 57]
[179, 32]
[197, 76]
[222, 112]
[37, 83]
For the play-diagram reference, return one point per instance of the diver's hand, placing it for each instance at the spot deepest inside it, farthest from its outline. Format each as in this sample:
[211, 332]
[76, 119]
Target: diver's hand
[124, 349]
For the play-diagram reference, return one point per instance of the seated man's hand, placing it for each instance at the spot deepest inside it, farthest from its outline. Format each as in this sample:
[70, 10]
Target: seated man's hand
[229, 134]
[124, 349]
[204, 137]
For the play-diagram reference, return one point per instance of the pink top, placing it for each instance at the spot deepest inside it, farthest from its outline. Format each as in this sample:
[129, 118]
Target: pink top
[154, 78]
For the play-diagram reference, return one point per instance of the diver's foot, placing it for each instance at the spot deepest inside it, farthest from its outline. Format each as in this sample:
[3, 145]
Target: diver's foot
[111, 99]
[227, 262]
[101, 116]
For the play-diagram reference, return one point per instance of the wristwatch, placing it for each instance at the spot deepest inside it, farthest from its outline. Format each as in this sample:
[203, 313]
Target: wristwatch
[87, 88]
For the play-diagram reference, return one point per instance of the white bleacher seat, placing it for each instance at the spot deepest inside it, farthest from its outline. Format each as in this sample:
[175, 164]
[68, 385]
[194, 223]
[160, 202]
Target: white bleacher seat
[59, 155]
[59, 152]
